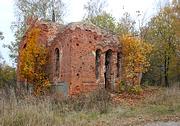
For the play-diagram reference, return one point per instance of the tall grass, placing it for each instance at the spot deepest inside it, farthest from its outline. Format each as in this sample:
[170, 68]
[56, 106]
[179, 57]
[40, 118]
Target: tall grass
[165, 96]
[91, 109]
[50, 110]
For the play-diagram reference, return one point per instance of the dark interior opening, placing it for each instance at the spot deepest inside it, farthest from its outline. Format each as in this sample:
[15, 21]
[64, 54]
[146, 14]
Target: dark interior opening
[118, 63]
[57, 63]
[98, 58]
[108, 63]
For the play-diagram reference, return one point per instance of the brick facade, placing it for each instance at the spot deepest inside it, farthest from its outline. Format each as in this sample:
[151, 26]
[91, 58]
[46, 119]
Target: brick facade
[81, 55]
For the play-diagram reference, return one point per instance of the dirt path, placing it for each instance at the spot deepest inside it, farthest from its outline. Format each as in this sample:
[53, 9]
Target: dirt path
[170, 123]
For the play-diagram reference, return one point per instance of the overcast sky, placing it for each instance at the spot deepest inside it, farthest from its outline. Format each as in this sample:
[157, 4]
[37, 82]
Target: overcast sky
[74, 13]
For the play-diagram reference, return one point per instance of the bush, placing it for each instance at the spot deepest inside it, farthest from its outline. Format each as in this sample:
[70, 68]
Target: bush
[132, 89]
[136, 89]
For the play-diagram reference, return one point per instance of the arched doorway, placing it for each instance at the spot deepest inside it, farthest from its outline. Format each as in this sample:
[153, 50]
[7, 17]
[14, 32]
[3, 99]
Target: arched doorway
[57, 61]
[108, 65]
[98, 63]
[118, 64]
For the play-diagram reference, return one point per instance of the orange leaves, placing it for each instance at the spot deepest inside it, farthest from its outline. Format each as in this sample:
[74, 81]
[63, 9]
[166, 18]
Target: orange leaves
[135, 60]
[33, 59]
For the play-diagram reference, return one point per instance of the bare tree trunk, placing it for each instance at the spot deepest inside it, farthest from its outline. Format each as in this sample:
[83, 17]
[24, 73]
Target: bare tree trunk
[166, 70]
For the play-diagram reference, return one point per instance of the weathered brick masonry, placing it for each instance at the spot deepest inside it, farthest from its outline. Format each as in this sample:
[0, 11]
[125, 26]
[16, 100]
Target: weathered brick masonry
[80, 55]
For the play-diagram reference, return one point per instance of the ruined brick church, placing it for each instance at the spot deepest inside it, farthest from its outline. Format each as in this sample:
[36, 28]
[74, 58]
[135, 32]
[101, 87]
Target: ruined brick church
[82, 57]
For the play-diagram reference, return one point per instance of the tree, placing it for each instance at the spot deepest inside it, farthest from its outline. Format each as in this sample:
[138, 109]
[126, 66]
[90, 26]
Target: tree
[94, 8]
[43, 9]
[126, 25]
[176, 7]
[135, 58]
[104, 21]
[96, 14]
[176, 10]
[32, 62]
[49, 10]
[1, 35]
[107, 22]
[161, 33]
[7, 76]
[1, 38]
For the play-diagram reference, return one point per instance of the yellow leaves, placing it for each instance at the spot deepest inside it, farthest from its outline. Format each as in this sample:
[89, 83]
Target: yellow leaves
[33, 60]
[136, 60]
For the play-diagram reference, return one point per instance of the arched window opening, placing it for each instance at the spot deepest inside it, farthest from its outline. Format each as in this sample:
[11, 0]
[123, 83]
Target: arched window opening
[57, 61]
[108, 63]
[118, 63]
[98, 58]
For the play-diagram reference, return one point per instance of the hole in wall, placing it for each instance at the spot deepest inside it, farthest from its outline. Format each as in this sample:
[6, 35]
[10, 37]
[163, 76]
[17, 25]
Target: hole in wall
[95, 37]
[24, 46]
[77, 44]
[77, 74]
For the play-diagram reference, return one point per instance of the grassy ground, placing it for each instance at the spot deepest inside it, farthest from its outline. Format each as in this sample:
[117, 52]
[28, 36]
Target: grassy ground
[96, 109]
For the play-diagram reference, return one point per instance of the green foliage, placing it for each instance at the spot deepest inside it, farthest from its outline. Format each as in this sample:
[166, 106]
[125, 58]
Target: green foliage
[161, 32]
[137, 89]
[96, 15]
[104, 21]
[124, 87]
[7, 76]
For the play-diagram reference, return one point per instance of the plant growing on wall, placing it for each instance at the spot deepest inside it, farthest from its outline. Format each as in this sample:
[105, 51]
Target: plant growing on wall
[33, 60]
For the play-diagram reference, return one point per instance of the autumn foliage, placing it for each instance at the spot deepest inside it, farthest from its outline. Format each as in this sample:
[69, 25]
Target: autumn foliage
[33, 60]
[135, 58]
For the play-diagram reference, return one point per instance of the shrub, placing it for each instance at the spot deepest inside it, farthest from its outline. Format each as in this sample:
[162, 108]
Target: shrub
[132, 89]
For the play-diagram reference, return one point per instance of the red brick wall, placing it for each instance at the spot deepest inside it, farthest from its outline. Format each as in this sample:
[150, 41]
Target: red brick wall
[79, 60]
[83, 60]
[62, 42]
